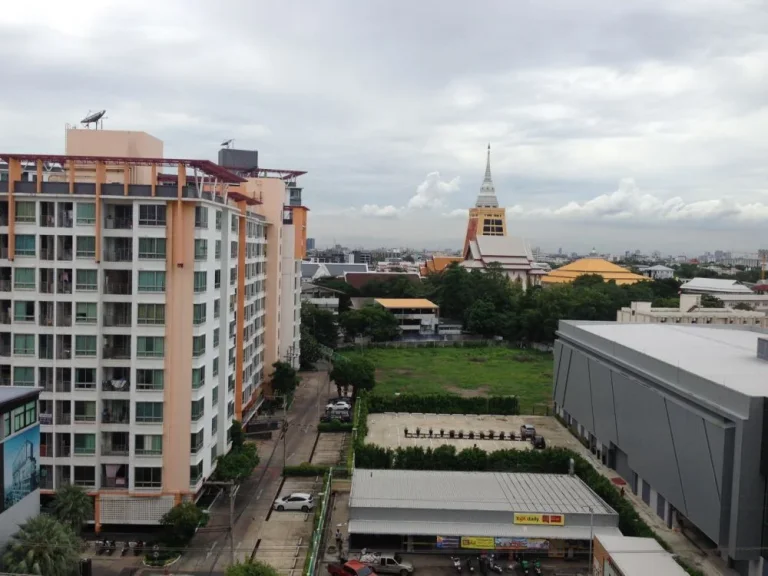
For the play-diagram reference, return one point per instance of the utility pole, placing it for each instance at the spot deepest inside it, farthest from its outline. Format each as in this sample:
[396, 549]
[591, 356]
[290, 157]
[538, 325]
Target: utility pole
[232, 488]
[285, 429]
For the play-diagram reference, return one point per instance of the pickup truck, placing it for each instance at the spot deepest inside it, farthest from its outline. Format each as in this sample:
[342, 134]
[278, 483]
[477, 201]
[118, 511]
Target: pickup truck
[387, 564]
[351, 568]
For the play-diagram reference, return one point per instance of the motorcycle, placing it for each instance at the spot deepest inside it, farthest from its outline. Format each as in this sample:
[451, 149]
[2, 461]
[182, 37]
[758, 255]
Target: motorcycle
[524, 564]
[124, 550]
[470, 566]
[101, 547]
[138, 548]
[537, 567]
[493, 566]
[456, 563]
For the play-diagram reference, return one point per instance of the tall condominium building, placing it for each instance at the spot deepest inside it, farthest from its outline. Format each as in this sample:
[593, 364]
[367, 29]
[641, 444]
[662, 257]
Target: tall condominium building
[146, 306]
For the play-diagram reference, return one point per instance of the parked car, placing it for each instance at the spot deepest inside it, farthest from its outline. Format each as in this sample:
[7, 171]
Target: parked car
[339, 405]
[387, 564]
[527, 431]
[538, 441]
[341, 416]
[351, 568]
[296, 501]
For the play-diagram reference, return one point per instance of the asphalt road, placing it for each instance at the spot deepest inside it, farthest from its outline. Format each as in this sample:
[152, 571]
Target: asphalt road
[208, 552]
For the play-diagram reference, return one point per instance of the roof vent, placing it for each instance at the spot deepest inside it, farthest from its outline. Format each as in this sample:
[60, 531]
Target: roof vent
[762, 348]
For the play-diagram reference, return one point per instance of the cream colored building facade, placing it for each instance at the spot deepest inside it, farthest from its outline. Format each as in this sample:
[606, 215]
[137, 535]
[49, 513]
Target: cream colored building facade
[689, 312]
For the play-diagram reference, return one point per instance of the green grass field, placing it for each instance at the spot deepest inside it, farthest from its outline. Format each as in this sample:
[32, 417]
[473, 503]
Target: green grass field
[464, 371]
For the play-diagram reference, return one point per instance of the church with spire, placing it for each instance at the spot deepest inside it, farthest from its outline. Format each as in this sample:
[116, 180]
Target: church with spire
[487, 241]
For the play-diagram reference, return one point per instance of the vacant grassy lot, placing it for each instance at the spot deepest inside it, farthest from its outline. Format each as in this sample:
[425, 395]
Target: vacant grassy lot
[464, 371]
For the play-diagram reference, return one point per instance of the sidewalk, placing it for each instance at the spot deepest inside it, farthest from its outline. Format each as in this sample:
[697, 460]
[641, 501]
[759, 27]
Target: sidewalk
[709, 564]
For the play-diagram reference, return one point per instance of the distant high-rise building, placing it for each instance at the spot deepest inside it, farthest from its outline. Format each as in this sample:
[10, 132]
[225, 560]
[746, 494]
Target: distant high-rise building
[310, 243]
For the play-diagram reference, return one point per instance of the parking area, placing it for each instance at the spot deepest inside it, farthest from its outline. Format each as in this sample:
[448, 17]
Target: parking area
[285, 536]
[330, 448]
[388, 430]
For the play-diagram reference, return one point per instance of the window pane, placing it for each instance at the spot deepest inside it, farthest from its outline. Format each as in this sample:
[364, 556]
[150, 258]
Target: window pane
[149, 379]
[25, 212]
[150, 346]
[85, 345]
[85, 313]
[201, 281]
[86, 246]
[201, 249]
[24, 279]
[86, 280]
[151, 281]
[25, 245]
[152, 248]
[23, 344]
[23, 376]
[86, 212]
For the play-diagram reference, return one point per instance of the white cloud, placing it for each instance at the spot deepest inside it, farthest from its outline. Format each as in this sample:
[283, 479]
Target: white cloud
[457, 213]
[377, 211]
[432, 192]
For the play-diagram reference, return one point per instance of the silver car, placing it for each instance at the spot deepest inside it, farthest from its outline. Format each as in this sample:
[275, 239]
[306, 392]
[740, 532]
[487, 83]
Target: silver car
[300, 501]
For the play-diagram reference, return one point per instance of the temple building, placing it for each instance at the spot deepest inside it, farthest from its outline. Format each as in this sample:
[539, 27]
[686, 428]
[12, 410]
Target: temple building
[598, 266]
[487, 242]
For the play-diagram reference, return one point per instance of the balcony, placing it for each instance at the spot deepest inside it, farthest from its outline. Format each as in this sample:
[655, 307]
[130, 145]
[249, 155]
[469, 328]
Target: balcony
[46, 314]
[64, 212]
[64, 282]
[47, 280]
[118, 250]
[64, 347]
[118, 282]
[85, 476]
[5, 280]
[5, 344]
[63, 450]
[114, 477]
[4, 213]
[117, 314]
[48, 214]
[47, 247]
[64, 314]
[114, 443]
[116, 412]
[64, 248]
[63, 418]
[117, 347]
[118, 216]
[46, 481]
[63, 379]
[116, 380]
[45, 347]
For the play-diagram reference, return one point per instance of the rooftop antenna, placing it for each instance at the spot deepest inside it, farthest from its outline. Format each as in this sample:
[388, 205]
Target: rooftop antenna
[228, 143]
[94, 118]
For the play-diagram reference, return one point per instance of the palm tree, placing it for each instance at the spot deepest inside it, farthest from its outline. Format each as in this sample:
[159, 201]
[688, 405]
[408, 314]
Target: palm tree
[45, 546]
[73, 506]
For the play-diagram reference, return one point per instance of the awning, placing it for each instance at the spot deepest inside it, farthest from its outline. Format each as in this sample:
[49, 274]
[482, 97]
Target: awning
[476, 529]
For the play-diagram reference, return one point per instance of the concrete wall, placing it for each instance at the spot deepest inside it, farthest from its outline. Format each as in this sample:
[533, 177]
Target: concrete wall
[674, 447]
[19, 513]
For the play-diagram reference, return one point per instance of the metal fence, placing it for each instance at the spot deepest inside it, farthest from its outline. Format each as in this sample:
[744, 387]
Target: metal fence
[317, 534]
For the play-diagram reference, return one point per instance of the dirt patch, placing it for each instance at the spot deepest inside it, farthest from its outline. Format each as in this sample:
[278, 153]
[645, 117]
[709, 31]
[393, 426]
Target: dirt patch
[403, 371]
[478, 359]
[468, 392]
[523, 358]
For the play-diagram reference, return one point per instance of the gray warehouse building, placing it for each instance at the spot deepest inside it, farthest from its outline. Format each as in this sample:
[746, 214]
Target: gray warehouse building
[412, 510]
[680, 413]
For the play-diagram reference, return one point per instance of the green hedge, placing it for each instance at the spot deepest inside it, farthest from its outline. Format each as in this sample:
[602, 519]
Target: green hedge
[443, 404]
[335, 426]
[304, 469]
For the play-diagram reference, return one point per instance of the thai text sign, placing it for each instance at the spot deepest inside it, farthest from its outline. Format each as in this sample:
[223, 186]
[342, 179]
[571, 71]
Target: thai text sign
[540, 519]
[478, 542]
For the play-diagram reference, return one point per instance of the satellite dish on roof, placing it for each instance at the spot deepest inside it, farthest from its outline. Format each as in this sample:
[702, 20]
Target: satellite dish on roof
[94, 118]
[228, 143]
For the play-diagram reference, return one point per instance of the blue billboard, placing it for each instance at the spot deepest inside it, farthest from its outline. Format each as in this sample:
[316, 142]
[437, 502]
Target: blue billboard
[21, 465]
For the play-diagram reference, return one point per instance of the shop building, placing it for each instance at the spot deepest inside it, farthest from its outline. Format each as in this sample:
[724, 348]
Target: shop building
[628, 556]
[414, 510]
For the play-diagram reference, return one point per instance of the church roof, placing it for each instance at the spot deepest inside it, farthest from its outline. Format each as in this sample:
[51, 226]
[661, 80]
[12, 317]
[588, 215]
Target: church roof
[486, 198]
[486, 247]
[607, 270]
[438, 264]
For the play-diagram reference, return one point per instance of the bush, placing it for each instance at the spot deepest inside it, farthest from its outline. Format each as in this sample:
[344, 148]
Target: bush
[335, 426]
[443, 404]
[180, 523]
[305, 469]
[237, 465]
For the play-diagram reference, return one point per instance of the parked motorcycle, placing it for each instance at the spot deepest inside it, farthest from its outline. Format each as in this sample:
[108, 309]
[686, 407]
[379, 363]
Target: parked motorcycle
[493, 566]
[470, 566]
[525, 565]
[537, 567]
[101, 547]
[124, 550]
[138, 548]
[456, 563]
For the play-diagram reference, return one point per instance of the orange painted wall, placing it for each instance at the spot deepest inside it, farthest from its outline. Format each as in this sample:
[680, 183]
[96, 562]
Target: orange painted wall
[240, 311]
[177, 396]
[300, 214]
[115, 143]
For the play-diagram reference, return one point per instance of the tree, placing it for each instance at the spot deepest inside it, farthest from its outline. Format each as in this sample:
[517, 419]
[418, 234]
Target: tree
[309, 349]
[320, 324]
[251, 568]
[357, 373]
[743, 306]
[237, 435]
[180, 523]
[284, 379]
[237, 465]
[709, 301]
[587, 280]
[374, 322]
[45, 546]
[483, 319]
[73, 506]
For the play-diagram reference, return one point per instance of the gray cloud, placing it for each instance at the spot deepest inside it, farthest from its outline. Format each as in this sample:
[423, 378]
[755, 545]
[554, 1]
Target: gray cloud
[368, 99]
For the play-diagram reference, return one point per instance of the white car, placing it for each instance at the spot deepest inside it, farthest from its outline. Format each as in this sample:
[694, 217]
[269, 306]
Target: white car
[296, 501]
[339, 405]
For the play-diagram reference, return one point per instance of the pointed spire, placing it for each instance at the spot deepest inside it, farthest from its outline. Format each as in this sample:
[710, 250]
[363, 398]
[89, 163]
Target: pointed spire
[487, 196]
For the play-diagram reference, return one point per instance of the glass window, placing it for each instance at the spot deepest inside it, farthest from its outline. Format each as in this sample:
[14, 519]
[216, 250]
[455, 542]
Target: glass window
[201, 217]
[30, 413]
[151, 314]
[198, 345]
[201, 281]
[85, 411]
[23, 344]
[25, 245]
[86, 280]
[86, 213]
[217, 279]
[215, 370]
[150, 346]
[216, 308]
[25, 212]
[217, 250]
[215, 396]
[23, 311]
[215, 337]
[218, 219]
[85, 378]
[149, 379]
[198, 314]
[214, 425]
[149, 411]
[198, 377]
[148, 444]
[201, 249]
[23, 376]
[85, 345]
[148, 477]
[152, 248]
[196, 473]
[85, 313]
[24, 279]
[151, 281]
[152, 215]
[198, 409]
[86, 246]
[85, 443]
[196, 441]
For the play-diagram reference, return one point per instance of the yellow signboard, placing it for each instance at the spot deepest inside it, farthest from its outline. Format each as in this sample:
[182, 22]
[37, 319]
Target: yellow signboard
[540, 519]
[478, 542]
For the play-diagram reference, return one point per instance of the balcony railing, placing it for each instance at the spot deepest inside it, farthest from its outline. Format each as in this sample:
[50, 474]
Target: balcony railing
[112, 223]
[46, 418]
[115, 483]
[5, 285]
[5, 318]
[64, 287]
[46, 385]
[118, 255]
[64, 386]
[116, 385]
[85, 418]
[142, 452]
[65, 418]
[63, 451]
[116, 418]
[85, 482]
[85, 385]
[47, 254]
[46, 287]
[84, 451]
[114, 450]
[46, 451]
[46, 482]
[5, 350]
[63, 481]
[117, 353]
[117, 319]
[123, 288]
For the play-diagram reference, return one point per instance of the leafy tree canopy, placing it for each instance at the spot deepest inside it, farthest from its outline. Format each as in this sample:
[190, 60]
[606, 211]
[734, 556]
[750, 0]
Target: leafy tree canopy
[374, 322]
[284, 379]
[72, 506]
[44, 546]
[251, 568]
[321, 324]
[357, 373]
[180, 522]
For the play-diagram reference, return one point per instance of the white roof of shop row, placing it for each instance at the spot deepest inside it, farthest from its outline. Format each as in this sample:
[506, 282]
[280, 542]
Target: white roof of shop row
[499, 530]
[724, 356]
[716, 285]
[640, 556]
[474, 491]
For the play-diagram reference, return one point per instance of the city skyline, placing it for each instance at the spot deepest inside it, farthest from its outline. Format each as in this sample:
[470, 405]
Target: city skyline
[608, 125]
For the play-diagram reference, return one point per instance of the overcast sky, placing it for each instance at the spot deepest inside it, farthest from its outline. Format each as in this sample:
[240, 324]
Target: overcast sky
[615, 124]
